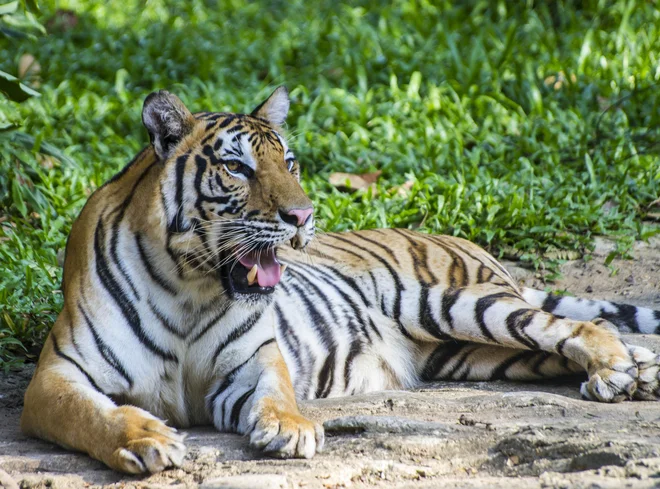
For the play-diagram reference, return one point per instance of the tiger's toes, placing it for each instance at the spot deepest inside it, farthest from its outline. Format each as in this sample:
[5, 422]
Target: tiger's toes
[611, 384]
[285, 435]
[147, 444]
[648, 379]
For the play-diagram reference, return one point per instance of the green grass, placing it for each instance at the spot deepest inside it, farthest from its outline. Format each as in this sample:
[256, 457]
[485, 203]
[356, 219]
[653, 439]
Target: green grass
[455, 98]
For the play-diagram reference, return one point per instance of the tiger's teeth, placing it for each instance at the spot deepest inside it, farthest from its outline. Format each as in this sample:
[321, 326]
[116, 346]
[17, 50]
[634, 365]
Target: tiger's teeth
[282, 268]
[252, 275]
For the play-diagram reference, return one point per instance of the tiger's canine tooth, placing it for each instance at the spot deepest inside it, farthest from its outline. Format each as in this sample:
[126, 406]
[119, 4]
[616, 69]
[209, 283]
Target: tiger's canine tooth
[252, 274]
[282, 268]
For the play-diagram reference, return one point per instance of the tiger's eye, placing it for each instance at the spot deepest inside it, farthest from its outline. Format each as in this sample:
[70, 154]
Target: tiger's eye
[290, 163]
[233, 166]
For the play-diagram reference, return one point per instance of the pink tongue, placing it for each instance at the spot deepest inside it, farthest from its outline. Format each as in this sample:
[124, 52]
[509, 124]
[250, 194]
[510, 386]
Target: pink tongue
[268, 268]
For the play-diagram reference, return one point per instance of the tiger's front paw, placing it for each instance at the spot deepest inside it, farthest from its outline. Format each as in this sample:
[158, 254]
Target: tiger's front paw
[144, 442]
[611, 384]
[283, 434]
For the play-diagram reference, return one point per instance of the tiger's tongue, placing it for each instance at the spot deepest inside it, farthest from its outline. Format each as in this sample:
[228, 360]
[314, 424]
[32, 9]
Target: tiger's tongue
[268, 268]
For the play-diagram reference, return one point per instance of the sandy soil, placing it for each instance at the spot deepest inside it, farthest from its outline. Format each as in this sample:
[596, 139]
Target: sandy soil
[453, 435]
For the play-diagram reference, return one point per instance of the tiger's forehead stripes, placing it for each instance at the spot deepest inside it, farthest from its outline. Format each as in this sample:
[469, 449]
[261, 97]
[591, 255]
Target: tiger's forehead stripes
[243, 137]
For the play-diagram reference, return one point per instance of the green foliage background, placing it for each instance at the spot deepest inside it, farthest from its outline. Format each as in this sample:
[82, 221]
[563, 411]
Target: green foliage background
[458, 97]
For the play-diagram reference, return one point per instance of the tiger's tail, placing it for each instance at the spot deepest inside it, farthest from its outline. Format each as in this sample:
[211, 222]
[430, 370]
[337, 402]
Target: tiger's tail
[627, 318]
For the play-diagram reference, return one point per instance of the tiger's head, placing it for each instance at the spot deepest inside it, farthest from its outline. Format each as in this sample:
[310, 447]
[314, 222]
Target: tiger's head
[230, 190]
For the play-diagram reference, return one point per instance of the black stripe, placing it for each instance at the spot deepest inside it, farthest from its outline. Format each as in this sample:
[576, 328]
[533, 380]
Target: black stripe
[625, 314]
[387, 249]
[151, 270]
[318, 292]
[316, 252]
[419, 253]
[351, 283]
[124, 170]
[456, 262]
[210, 324]
[483, 303]
[73, 340]
[66, 357]
[484, 274]
[396, 313]
[426, 319]
[551, 302]
[354, 350]
[357, 311]
[125, 305]
[446, 243]
[235, 415]
[320, 326]
[449, 298]
[440, 357]
[176, 225]
[229, 378]
[500, 372]
[543, 356]
[517, 321]
[559, 347]
[289, 337]
[201, 163]
[236, 333]
[326, 376]
[114, 240]
[105, 351]
[460, 362]
[114, 237]
[208, 137]
[165, 322]
[343, 250]
[226, 121]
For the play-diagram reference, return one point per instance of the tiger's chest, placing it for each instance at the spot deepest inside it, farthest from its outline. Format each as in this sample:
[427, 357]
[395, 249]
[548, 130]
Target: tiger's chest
[200, 349]
[335, 341]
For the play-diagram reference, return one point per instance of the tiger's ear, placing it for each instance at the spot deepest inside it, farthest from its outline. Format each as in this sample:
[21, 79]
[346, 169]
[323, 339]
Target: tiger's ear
[167, 120]
[275, 108]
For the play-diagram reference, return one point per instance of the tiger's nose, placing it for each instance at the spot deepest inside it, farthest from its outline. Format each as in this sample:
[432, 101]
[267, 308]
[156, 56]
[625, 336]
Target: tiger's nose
[296, 217]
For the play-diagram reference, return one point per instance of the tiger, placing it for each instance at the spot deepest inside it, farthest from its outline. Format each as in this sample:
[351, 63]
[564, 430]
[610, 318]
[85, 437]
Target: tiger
[197, 290]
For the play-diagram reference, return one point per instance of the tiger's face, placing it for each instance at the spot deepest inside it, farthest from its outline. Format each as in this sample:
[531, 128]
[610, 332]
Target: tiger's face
[231, 194]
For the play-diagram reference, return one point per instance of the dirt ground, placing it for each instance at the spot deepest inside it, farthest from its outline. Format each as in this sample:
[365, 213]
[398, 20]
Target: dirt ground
[445, 435]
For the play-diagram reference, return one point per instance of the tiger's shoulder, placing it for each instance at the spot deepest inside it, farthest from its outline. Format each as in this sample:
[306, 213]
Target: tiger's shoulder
[442, 260]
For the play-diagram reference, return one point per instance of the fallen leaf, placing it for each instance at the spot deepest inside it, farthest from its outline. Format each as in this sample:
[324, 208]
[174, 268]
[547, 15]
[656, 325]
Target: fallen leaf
[404, 190]
[559, 80]
[350, 182]
[47, 162]
[28, 67]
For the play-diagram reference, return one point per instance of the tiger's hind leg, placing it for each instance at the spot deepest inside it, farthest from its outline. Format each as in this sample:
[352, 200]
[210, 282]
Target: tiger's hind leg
[497, 315]
[473, 361]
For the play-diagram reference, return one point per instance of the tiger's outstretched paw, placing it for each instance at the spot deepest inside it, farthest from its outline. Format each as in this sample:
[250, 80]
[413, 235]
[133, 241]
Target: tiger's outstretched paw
[648, 379]
[283, 434]
[611, 384]
[145, 443]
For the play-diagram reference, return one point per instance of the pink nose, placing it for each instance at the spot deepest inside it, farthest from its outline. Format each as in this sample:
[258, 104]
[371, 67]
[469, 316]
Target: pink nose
[297, 217]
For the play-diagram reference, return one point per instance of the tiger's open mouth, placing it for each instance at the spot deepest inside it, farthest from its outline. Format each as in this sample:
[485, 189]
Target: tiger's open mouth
[256, 272]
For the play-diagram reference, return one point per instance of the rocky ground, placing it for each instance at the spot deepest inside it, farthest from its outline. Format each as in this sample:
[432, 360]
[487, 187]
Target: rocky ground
[454, 435]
